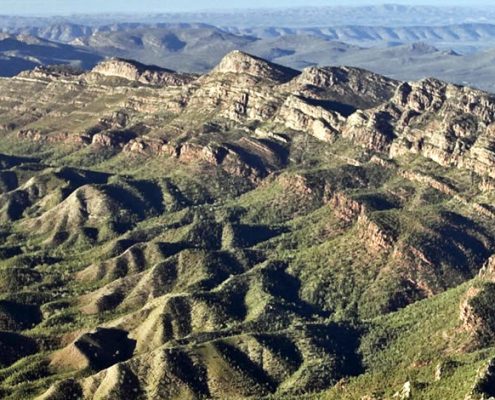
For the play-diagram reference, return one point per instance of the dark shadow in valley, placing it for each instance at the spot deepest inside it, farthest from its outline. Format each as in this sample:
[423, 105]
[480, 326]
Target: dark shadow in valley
[106, 347]
[343, 109]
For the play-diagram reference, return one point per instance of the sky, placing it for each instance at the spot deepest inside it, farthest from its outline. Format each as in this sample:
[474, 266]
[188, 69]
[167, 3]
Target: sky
[63, 7]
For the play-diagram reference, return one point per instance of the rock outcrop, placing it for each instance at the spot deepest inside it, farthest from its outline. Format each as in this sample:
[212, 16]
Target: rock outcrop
[299, 114]
[137, 72]
[54, 72]
[449, 124]
[344, 88]
[375, 238]
[477, 308]
[238, 62]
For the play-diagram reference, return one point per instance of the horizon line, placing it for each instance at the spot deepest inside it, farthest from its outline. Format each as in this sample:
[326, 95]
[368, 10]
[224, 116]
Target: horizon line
[230, 10]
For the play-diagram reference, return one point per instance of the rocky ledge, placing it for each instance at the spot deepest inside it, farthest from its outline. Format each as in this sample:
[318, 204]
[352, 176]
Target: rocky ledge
[135, 71]
[238, 62]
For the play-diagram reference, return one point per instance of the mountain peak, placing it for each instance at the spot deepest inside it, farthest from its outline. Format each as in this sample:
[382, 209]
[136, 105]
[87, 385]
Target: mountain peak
[239, 62]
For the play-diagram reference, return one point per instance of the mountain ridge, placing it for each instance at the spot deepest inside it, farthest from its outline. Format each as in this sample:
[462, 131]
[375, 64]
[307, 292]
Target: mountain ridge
[254, 232]
[197, 48]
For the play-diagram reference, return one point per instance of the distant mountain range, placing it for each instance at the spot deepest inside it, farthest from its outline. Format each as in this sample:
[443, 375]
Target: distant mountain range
[198, 49]
[22, 52]
[459, 52]
[466, 37]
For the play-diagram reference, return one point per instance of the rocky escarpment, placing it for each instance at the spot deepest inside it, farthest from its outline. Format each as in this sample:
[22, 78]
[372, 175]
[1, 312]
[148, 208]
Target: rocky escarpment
[476, 309]
[135, 71]
[238, 62]
[52, 72]
[456, 124]
[346, 88]
[301, 115]
[323, 98]
[449, 124]
[249, 158]
[370, 130]
[446, 123]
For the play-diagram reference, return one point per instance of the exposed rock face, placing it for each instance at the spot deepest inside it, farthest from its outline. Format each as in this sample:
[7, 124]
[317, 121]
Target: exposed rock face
[431, 182]
[52, 72]
[370, 130]
[446, 123]
[477, 310]
[346, 208]
[150, 146]
[471, 322]
[445, 369]
[134, 71]
[296, 183]
[374, 237]
[242, 87]
[300, 115]
[191, 152]
[487, 271]
[349, 88]
[238, 62]
[237, 97]
[31, 134]
[61, 137]
[112, 139]
[449, 124]
[119, 120]
[405, 392]
[237, 159]
[332, 95]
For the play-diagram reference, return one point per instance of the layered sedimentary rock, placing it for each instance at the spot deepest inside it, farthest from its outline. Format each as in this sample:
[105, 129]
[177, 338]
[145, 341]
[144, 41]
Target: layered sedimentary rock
[134, 71]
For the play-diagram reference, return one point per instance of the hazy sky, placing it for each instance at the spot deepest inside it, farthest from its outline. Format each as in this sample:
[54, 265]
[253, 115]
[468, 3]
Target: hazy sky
[130, 6]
